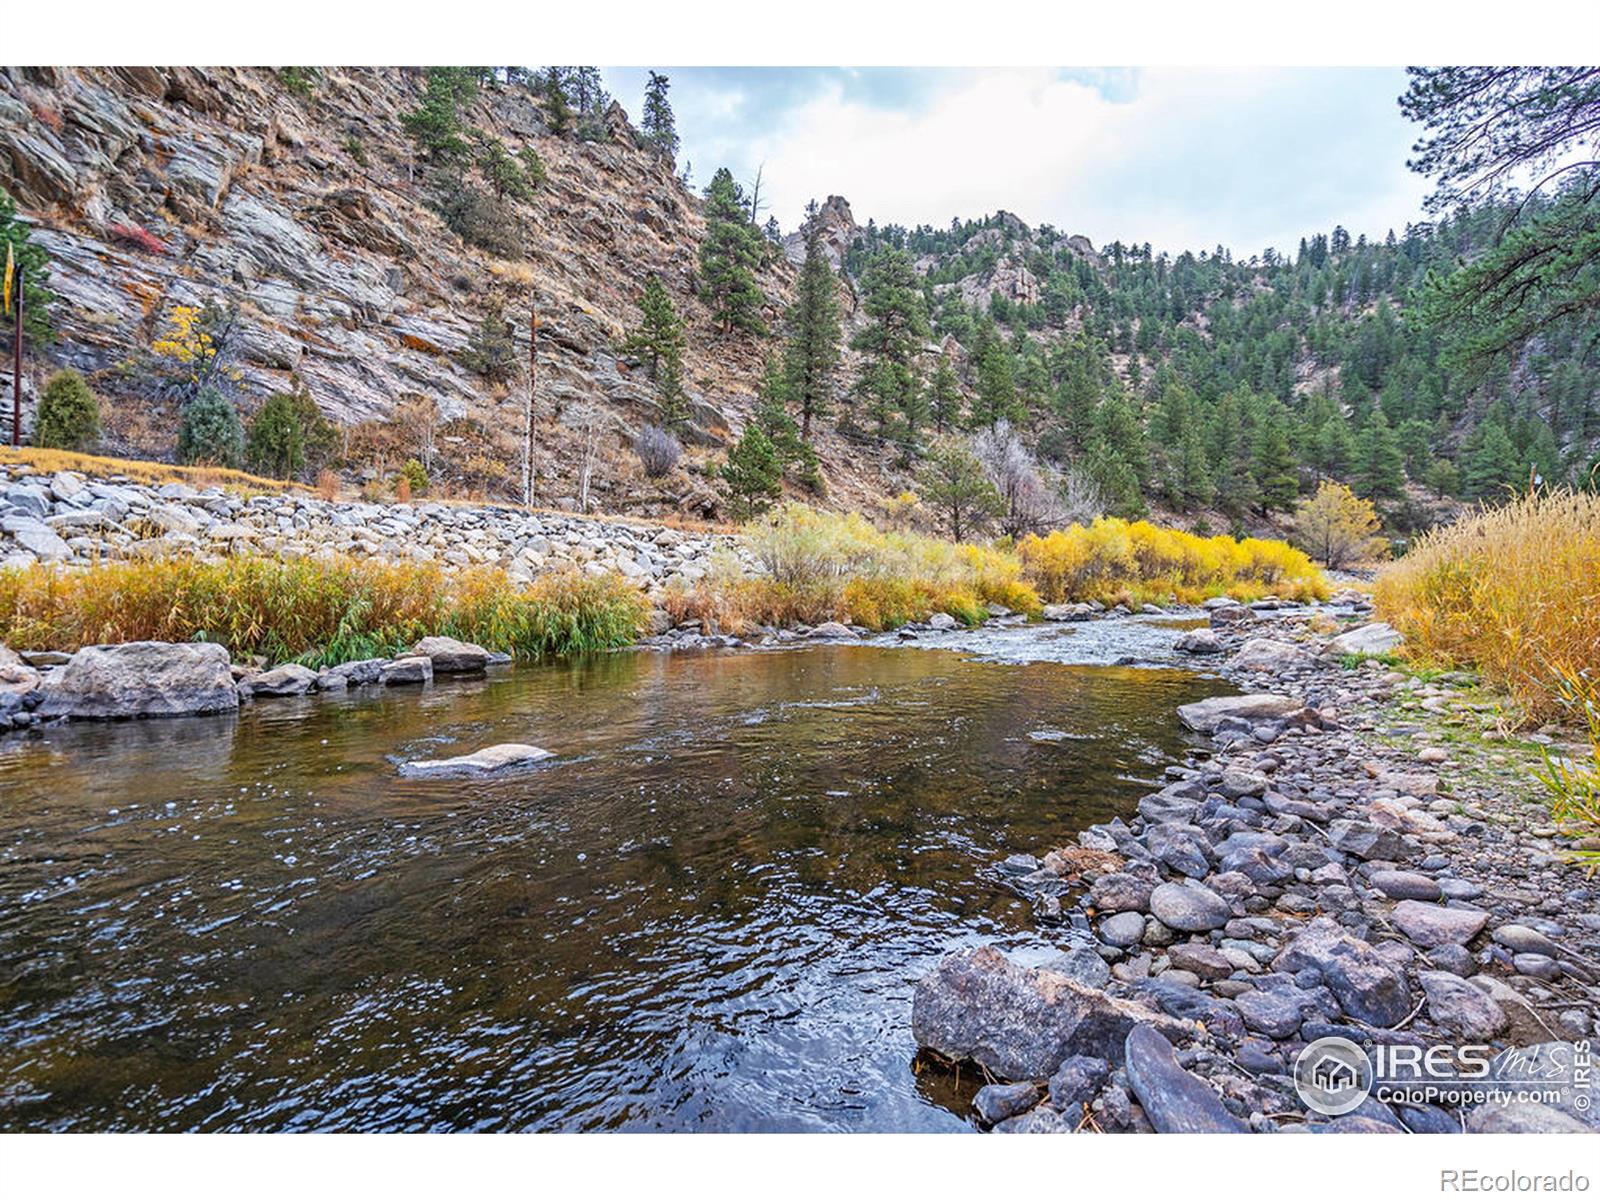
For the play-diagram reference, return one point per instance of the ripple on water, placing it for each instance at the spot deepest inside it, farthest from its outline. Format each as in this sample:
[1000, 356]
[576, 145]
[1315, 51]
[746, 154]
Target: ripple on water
[708, 913]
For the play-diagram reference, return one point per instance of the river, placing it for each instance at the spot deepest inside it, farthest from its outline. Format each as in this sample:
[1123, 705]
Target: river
[705, 913]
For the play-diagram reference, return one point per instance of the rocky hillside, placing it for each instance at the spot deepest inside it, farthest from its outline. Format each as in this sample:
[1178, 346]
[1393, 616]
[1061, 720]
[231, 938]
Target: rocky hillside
[303, 204]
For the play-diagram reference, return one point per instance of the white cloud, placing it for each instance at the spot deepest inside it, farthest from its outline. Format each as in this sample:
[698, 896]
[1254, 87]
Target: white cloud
[1196, 157]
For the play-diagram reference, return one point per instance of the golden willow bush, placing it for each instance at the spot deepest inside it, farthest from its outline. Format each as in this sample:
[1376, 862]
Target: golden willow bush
[832, 566]
[312, 610]
[1135, 562]
[1513, 591]
[822, 566]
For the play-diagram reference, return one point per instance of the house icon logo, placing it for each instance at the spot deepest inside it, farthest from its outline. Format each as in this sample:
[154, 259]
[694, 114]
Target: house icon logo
[1333, 1076]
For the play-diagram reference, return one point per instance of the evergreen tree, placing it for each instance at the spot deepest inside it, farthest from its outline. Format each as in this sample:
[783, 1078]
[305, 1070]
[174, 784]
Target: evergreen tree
[1274, 467]
[997, 390]
[895, 331]
[32, 262]
[944, 396]
[210, 432]
[811, 357]
[729, 255]
[659, 340]
[955, 484]
[1117, 460]
[1379, 468]
[752, 474]
[69, 414]
[435, 124]
[1493, 467]
[557, 101]
[659, 127]
[1443, 478]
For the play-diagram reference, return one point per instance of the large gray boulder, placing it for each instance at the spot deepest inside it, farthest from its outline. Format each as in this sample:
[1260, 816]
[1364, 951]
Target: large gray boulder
[451, 656]
[142, 679]
[1362, 981]
[1199, 641]
[1019, 1022]
[1269, 654]
[1203, 716]
[1377, 638]
[291, 679]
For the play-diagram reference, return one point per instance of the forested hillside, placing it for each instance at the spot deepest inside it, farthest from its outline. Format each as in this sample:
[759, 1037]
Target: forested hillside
[1212, 380]
[347, 261]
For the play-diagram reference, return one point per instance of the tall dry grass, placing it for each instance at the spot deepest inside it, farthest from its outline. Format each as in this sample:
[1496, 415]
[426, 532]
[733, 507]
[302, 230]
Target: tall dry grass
[822, 566]
[315, 610]
[1513, 591]
[1112, 560]
[143, 470]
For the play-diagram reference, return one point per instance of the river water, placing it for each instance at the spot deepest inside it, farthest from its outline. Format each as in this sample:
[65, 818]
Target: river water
[706, 913]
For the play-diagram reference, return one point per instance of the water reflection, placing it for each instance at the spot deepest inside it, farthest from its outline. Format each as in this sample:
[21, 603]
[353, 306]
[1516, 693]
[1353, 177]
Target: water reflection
[705, 913]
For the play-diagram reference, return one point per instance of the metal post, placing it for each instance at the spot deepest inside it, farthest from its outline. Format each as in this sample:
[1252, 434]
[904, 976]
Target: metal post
[527, 410]
[16, 368]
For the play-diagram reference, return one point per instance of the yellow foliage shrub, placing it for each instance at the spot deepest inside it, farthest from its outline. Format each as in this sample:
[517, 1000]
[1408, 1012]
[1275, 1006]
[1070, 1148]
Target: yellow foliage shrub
[1113, 560]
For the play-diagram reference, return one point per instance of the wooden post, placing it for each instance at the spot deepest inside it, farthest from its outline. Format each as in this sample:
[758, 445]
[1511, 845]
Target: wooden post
[527, 407]
[16, 369]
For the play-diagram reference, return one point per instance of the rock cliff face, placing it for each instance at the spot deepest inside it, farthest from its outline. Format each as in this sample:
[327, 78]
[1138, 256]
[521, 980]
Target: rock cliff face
[308, 211]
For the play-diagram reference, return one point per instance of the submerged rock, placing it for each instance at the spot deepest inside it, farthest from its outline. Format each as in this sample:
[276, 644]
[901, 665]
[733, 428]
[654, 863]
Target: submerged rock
[142, 679]
[491, 760]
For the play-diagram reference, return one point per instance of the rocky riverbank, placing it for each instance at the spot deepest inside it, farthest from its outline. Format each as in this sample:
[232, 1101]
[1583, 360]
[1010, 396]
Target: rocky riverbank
[1352, 852]
[63, 517]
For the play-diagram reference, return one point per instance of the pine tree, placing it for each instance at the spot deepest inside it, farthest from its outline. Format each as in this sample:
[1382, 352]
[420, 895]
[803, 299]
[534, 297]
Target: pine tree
[1078, 393]
[1277, 480]
[210, 432]
[1195, 488]
[729, 255]
[997, 390]
[1492, 465]
[811, 357]
[69, 414]
[659, 127]
[752, 473]
[896, 328]
[659, 340]
[1117, 460]
[1379, 468]
[953, 481]
[944, 397]
[557, 102]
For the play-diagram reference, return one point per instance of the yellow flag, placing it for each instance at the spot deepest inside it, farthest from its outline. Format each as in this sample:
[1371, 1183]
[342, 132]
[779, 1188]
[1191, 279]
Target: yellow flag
[10, 270]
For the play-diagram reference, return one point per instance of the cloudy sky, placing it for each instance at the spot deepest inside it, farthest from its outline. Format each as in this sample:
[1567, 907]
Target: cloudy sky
[1184, 158]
